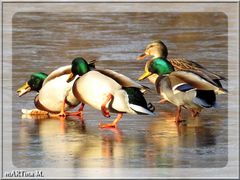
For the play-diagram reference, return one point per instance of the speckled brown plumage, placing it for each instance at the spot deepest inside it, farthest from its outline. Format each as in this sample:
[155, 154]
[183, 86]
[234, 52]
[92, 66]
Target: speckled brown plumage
[184, 64]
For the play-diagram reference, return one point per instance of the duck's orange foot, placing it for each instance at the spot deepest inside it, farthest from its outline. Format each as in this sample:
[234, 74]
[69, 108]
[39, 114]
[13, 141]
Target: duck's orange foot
[107, 125]
[78, 113]
[113, 124]
[34, 112]
[59, 115]
[62, 115]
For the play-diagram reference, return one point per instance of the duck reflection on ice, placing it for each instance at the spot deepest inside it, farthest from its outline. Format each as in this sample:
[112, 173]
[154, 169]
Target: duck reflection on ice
[170, 143]
[63, 140]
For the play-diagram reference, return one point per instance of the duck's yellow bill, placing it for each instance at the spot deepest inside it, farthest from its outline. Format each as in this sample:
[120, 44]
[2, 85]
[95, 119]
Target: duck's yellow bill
[70, 77]
[23, 89]
[144, 75]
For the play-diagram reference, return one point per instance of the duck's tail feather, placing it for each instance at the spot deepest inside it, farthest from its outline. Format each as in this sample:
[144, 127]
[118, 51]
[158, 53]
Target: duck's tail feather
[213, 75]
[206, 99]
[137, 102]
[219, 77]
[221, 91]
[141, 110]
[217, 81]
[202, 103]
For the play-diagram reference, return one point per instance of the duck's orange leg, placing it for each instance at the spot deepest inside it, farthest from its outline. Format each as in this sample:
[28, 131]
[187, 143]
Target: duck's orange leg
[105, 111]
[178, 115]
[62, 111]
[113, 124]
[77, 113]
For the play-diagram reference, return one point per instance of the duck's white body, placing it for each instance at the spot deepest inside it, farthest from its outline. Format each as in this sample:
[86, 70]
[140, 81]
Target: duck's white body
[198, 93]
[54, 91]
[94, 91]
[177, 98]
[93, 88]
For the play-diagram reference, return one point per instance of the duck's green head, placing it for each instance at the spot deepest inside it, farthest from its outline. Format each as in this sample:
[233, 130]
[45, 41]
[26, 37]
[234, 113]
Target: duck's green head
[157, 66]
[33, 84]
[80, 67]
[156, 49]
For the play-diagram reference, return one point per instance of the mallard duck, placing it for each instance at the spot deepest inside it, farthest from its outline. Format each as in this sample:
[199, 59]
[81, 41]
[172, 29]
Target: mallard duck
[157, 49]
[54, 93]
[108, 91]
[182, 88]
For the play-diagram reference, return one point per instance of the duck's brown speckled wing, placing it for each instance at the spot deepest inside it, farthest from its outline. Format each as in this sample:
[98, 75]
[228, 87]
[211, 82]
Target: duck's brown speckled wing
[180, 64]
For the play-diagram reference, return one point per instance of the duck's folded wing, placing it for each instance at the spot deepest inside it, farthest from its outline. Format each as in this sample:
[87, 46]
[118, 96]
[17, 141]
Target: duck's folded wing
[124, 81]
[58, 72]
[181, 64]
[195, 80]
